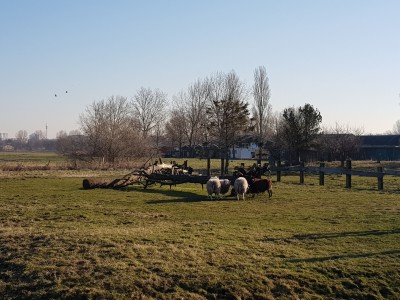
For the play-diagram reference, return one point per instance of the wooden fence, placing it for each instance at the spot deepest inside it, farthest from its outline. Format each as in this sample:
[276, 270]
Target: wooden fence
[322, 170]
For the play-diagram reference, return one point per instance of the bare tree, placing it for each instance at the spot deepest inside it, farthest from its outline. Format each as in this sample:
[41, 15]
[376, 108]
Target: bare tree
[21, 139]
[341, 141]
[38, 135]
[74, 147]
[158, 134]
[278, 143]
[262, 107]
[149, 108]
[227, 112]
[35, 140]
[191, 106]
[22, 135]
[74, 132]
[109, 129]
[61, 133]
[175, 131]
[396, 127]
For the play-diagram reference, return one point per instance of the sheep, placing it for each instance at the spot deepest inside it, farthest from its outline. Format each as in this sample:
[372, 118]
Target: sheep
[225, 185]
[241, 185]
[260, 185]
[214, 187]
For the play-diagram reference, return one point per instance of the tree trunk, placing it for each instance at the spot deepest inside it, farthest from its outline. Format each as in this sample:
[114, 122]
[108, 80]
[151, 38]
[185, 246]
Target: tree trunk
[226, 162]
[93, 183]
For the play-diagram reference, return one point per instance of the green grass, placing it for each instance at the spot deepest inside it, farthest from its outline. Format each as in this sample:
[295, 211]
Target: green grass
[28, 161]
[18, 161]
[306, 242]
[38, 157]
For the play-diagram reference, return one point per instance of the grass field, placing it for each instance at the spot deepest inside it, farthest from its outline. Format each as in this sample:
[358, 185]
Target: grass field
[306, 242]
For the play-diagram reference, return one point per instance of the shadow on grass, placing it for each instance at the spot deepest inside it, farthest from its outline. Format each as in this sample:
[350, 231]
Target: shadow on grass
[179, 197]
[345, 234]
[344, 256]
[375, 189]
[17, 280]
[314, 236]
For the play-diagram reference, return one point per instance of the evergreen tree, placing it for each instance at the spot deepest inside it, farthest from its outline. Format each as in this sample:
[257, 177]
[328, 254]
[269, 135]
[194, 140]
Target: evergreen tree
[301, 127]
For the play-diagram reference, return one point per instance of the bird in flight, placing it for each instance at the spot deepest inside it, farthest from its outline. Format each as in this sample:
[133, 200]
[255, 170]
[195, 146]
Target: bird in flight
[56, 95]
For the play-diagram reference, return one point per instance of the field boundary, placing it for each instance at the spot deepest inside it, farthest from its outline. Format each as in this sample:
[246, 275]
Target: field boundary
[347, 170]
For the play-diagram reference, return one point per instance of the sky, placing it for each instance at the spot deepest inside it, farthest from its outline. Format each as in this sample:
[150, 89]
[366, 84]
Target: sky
[341, 56]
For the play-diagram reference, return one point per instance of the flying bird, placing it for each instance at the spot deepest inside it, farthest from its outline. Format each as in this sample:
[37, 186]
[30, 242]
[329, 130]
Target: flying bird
[59, 95]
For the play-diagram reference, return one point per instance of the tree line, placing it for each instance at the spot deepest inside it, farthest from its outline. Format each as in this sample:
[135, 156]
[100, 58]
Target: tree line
[213, 111]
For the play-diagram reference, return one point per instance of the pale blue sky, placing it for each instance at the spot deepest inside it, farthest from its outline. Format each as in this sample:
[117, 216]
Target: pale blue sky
[341, 56]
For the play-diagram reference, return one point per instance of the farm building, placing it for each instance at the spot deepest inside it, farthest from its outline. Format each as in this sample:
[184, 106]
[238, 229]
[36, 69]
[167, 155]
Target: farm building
[194, 151]
[379, 147]
[367, 147]
[245, 148]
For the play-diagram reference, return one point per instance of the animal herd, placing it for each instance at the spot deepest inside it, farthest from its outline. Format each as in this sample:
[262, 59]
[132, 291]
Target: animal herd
[241, 186]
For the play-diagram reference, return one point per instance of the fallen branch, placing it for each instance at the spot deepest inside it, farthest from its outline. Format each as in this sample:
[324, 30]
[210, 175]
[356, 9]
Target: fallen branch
[92, 183]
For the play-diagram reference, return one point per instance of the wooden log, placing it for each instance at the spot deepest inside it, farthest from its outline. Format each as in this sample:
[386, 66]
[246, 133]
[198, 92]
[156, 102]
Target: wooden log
[92, 183]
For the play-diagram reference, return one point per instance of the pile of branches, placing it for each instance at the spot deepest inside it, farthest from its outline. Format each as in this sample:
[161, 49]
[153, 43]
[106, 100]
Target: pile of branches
[159, 172]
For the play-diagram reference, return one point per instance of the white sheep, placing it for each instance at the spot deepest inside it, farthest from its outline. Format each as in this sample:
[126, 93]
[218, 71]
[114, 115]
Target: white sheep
[214, 187]
[240, 185]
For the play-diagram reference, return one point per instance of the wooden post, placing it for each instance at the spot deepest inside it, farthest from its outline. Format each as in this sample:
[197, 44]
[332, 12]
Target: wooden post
[348, 176]
[208, 166]
[278, 173]
[380, 179]
[302, 173]
[259, 153]
[321, 174]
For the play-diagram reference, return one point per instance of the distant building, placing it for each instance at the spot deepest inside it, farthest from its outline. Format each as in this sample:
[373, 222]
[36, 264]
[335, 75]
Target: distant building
[3, 136]
[245, 148]
[8, 148]
[379, 147]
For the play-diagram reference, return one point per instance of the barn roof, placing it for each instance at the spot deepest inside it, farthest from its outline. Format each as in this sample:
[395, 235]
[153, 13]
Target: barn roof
[380, 140]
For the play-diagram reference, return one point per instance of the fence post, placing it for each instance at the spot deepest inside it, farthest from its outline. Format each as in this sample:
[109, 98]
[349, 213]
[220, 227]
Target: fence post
[380, 179]
[302, 172]
[208, 166]
[321, 174]
[348, 176]
[278, 172]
